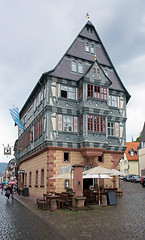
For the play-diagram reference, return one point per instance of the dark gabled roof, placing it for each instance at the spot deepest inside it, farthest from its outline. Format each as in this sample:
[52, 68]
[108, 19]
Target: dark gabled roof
[77, 50]
[92, 66]
[132, 146]
[142, 139]
[39, 83]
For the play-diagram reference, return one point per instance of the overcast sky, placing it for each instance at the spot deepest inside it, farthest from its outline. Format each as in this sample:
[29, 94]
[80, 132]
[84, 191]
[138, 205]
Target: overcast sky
[35, 34]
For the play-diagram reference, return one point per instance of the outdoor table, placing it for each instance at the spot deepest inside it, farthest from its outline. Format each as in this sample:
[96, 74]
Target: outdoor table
[48, 197]
[108, 189]
[96, 194]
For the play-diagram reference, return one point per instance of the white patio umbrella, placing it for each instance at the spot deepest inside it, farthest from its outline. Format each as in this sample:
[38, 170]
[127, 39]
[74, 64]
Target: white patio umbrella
[96, 176]
[98, 171]
[116, 173]
[66, 175]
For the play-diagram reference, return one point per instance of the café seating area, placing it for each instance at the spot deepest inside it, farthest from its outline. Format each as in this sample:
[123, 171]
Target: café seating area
[64, 199]
[92, 196]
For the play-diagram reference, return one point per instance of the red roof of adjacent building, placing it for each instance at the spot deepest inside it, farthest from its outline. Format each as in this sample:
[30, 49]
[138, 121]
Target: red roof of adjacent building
[132, 146]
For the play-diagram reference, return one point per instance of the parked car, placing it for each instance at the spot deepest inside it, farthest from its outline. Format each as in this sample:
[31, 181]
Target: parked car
[135, 179]
[121, 177]
[141, 179]
[128, 177]
[143, 182]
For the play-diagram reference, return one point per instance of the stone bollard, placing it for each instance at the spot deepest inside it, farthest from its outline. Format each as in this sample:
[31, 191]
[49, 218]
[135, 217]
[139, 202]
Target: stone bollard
[104, 201]
[74, 201]
[53, 205]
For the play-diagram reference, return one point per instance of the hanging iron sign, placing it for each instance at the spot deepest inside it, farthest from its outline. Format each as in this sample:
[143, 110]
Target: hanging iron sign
[7, 150]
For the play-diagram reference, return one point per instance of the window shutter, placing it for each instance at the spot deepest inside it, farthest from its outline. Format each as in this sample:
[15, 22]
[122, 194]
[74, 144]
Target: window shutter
[117, 129]
[60, 122]
[75, 124]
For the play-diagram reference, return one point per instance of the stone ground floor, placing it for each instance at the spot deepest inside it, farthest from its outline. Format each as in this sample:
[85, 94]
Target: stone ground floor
[122, 221]
[36, 172]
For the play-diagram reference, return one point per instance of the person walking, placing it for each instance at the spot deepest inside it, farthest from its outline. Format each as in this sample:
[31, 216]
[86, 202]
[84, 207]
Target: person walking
[2, 188]
[8, 192]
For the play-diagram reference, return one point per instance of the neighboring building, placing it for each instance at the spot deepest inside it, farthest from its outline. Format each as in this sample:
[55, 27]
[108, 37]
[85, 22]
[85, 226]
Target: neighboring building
[10, 171]
[75, 114]
[1, 177]
[129, 162]
[123, 165]
[141, 153]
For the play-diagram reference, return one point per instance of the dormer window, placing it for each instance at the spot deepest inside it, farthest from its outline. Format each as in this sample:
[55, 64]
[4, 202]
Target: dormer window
[80, 67]
[89, 30]
[77, 67]
[92, 49]
[94, 70]
[74, 66]
[131, 152]
[87, 47]
[106, 72]
[98, 70]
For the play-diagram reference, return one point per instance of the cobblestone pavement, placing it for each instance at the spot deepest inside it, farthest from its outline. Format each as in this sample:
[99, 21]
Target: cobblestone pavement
[18, 222]
[125, 220]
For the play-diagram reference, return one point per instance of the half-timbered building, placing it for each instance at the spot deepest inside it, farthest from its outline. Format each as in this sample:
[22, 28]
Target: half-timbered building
[75, 114]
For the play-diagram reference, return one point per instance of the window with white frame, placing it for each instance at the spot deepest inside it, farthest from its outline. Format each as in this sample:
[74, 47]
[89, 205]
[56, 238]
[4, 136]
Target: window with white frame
[67, 124]
[111, 131]
[113, 101]
[131, 153]
[41, 96]
[80, 67]
[87, 47]
[106, 72]
[92, 49]
[68, 92]
[35, 104]
[74, 66]
[71, 93]
[44, 91]
[142, 144]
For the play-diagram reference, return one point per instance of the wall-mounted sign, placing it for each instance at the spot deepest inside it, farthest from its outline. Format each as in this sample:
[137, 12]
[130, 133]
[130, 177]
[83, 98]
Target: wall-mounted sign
[21, 171]
[7, 150]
